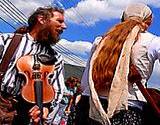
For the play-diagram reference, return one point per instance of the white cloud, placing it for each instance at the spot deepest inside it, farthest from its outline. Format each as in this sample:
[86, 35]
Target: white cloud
[81, 48]
[91, 11]
[75, 53]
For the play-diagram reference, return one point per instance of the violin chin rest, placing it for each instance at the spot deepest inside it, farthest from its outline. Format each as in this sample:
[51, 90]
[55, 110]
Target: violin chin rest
[47, 59]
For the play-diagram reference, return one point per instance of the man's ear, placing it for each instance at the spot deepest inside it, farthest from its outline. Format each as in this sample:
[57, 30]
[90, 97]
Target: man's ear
[41, 19]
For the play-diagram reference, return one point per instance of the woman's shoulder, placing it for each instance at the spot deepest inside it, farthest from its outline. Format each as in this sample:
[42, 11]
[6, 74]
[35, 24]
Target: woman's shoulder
[147, 38]
[148, 35]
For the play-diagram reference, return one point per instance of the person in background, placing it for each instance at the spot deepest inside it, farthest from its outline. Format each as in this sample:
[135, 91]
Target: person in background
[71, 97]
[74, 90]
[124, 55]
[45, 25]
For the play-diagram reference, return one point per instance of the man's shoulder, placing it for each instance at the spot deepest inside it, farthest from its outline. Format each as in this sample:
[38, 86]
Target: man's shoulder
[10, 35]
[6, 36]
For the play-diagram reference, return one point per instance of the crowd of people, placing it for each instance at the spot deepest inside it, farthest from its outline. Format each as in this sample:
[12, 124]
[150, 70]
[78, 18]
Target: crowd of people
[107, 93]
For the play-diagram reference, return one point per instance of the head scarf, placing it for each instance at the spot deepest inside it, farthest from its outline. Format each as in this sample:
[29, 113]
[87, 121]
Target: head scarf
[118, 95]
[137, 10]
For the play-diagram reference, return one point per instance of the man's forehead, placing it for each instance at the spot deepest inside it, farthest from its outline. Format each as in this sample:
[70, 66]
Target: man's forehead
[57, 13]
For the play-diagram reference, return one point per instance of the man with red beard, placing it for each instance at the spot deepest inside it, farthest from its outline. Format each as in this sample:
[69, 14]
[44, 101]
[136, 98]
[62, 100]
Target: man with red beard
[43, 31]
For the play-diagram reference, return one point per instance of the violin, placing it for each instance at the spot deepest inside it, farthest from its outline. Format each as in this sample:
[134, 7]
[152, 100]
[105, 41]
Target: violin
[37, 88]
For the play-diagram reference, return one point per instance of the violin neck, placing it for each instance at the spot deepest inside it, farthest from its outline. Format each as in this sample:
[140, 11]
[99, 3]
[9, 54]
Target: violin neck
[38, 87]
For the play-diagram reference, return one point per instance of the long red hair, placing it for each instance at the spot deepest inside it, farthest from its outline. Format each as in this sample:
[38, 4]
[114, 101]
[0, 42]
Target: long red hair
[105, 64]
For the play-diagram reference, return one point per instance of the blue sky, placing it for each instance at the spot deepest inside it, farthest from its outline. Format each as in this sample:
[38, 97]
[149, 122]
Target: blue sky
[86, 19]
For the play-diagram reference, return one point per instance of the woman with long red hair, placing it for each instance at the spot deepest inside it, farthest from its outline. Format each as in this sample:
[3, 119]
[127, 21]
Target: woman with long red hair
[124, 45]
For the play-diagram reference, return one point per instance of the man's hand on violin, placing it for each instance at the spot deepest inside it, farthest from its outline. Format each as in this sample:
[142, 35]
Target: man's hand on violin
[34, 113]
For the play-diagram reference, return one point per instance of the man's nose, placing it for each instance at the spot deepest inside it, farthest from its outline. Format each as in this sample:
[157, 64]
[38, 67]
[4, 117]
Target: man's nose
[64, 26]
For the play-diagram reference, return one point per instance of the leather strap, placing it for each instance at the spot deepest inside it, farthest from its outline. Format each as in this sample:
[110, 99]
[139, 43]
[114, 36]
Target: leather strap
[149, 98]
[9, 53]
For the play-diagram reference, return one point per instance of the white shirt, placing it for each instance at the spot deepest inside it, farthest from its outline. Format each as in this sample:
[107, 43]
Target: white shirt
[144, 54]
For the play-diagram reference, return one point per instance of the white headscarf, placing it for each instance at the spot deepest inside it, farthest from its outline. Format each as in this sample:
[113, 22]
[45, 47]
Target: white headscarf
[137, 10]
